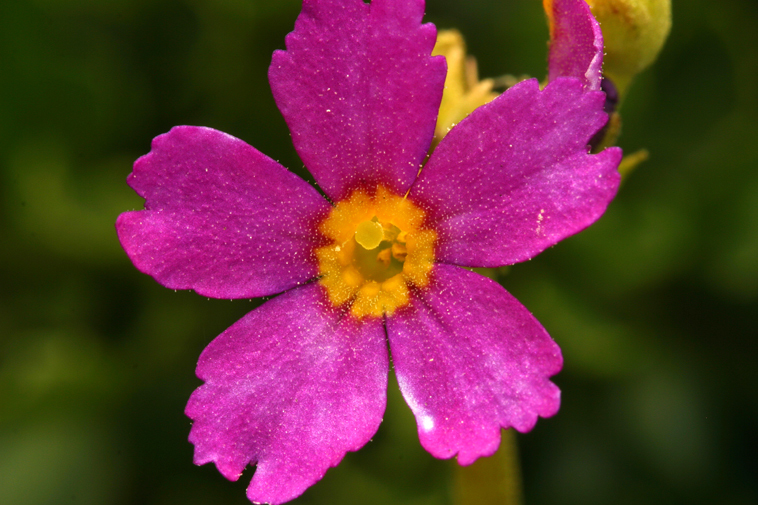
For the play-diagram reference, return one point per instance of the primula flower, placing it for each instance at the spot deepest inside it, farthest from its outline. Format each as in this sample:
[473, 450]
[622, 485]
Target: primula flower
[302, 379]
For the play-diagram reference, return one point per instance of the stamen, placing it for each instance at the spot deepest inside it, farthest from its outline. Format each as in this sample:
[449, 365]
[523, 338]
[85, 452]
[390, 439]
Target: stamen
[369, 234]
[384, 257]
[399, 251]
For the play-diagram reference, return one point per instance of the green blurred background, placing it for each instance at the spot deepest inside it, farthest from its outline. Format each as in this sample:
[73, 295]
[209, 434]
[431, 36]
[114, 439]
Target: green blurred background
[655, 307]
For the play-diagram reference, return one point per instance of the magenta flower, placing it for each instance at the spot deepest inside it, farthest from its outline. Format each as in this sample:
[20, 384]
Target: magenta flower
[302, 379]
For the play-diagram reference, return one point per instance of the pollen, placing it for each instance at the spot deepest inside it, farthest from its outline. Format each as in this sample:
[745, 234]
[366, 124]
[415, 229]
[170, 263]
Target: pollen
[379, 248]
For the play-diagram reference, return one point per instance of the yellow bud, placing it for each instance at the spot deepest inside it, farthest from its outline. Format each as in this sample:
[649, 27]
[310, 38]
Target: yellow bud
[464, 92]
[634, 32]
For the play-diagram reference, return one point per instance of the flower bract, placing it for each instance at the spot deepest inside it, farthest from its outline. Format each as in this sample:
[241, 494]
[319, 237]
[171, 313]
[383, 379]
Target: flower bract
[377, 267]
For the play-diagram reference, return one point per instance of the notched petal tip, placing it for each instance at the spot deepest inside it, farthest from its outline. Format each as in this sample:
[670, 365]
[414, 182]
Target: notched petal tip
[291, 387]
[360, 92]
[516, 176]
[470, 360]
[220, 217]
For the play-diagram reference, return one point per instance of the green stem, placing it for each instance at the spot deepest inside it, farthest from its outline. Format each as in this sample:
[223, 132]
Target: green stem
[491, 481]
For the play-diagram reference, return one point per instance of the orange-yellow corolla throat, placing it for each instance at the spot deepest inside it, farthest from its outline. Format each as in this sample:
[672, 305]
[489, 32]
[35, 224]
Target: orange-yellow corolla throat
[379, 247]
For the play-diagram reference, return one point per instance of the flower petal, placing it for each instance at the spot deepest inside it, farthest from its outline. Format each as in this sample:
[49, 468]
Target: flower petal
[360, 92]
[471, 359]
[290, 387]
[515, 177]
[576, 42]
[221, 218]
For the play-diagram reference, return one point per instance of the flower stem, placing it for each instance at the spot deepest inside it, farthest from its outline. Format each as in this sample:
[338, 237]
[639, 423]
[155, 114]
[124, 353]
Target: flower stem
[491, 481]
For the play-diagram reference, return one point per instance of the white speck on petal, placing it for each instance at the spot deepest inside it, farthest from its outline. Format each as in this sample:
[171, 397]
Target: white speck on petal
[427, 423]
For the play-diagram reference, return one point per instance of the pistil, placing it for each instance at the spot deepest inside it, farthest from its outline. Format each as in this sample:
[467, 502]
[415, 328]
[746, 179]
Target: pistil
[369, 234]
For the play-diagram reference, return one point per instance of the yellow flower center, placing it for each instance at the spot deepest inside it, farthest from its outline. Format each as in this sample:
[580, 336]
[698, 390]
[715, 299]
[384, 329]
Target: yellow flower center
[378, 249]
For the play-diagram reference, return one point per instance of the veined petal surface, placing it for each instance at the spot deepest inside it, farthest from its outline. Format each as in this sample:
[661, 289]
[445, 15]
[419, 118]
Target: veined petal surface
[515, 177]
[220, 217]
[576, 42]
[290, 387]
[360, 92]
[471, 359]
